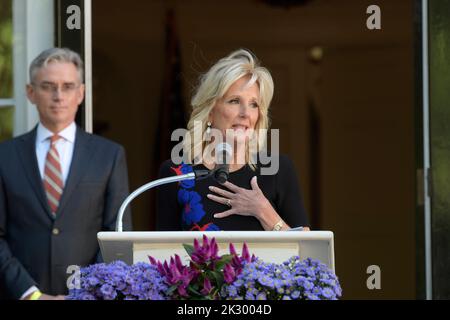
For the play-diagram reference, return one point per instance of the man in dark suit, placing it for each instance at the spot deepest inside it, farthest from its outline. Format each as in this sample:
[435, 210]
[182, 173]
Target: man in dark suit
[59, 186]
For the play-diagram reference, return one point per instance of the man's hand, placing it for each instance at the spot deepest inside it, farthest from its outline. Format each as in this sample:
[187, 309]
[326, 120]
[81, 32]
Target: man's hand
[46, 297]
[49, 297]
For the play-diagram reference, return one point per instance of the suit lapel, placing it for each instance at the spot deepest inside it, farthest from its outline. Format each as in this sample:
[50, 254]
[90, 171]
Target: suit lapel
[80, 159]
[27, 155]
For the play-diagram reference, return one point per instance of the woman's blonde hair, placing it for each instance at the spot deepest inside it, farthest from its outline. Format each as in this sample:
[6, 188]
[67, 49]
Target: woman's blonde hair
[213, 85]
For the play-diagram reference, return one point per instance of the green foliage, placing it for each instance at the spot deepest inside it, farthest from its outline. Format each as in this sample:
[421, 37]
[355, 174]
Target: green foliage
[6, 65]
[189, 248]
[6, 42]
[6, 123]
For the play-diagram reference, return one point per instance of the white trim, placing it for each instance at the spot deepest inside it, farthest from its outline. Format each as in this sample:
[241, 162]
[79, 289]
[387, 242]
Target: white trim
[88, 65]
[426, 152]
[33, 32]
[7, 103]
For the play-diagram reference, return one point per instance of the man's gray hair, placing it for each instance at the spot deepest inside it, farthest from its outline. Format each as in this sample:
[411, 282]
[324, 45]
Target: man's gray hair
[58, 55]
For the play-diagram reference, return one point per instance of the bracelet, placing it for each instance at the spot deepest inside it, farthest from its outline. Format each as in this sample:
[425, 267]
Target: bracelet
[278, 226]
[36, 295]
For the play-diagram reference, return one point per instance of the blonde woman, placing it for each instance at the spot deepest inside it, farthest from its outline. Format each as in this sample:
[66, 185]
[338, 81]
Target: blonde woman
[232, 97]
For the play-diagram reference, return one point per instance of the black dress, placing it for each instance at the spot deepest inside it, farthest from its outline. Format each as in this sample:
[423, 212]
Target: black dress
[185, 206]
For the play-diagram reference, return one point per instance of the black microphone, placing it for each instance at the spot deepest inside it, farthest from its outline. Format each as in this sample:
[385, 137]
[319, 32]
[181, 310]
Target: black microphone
[221, 171]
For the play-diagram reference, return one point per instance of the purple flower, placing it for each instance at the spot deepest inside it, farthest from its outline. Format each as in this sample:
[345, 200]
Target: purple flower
[327, 293]
[176, 274]
[249, 296]
[245, 253]
[261, 296]
[208, 275]
[206, 287]
[308, 285]
[117, 281]
[85, 296]
[266, 281]
[229, 291]
[238, 283]
[293, 279]
[237, 262]
[229, 274]
[108, 292]
[92, 281]
[206, 253]
[310, 296]
[232, 250]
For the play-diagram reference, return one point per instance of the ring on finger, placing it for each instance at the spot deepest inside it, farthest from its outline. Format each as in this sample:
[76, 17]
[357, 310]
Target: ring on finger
[228, 203]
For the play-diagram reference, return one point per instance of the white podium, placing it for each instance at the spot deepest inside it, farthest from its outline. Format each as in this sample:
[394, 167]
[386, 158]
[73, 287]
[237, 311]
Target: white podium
[270, 246]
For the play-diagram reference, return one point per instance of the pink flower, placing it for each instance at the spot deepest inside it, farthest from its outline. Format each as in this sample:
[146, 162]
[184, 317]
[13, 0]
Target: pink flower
[175, 273]
[206, 270]
[207, 252]
[206, 287]
[232, 250]
[245, 253]
[237, 263]
[229, 274]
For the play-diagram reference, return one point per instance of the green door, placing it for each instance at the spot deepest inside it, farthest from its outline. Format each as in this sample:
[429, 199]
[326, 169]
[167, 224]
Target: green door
[439, 144]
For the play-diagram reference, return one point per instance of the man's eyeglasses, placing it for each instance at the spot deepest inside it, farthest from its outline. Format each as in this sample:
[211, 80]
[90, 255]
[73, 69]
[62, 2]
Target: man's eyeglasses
[49, 87]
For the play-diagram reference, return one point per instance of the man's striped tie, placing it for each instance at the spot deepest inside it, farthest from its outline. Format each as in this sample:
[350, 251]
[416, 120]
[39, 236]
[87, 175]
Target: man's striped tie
[53, 181]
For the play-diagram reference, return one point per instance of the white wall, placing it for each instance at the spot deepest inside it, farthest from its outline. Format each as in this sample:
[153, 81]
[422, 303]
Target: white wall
[33, 27]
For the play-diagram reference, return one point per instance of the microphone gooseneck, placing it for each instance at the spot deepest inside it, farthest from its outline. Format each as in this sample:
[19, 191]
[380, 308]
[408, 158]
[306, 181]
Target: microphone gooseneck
[224, 153]
[220, 173]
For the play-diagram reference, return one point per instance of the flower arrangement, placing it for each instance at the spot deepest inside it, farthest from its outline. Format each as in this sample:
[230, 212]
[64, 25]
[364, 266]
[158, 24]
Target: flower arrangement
[206, 273]
[292, 280]
[209, 276]
[118, 281]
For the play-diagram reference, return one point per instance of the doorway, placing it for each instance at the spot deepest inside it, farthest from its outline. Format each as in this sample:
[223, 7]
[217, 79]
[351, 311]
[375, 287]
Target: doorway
[344, 104]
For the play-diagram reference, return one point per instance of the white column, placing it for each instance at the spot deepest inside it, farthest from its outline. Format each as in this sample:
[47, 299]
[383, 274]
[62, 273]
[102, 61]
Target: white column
[33, 28]
[426, 154]
[88, 120]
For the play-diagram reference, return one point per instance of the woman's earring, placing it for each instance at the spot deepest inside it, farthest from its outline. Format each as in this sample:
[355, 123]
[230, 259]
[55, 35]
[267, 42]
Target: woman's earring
[208, 129]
